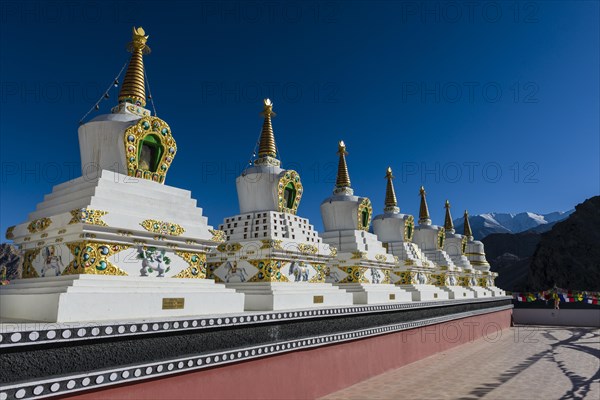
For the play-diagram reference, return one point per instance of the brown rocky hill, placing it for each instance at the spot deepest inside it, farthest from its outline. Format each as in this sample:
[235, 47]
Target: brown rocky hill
[510, 255]
[569, 254]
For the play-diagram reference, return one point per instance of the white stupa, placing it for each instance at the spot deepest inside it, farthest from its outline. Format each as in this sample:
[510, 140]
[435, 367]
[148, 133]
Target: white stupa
[475, 252]
[431, 238]
[455, 247]
[109, 244]
[363, 266]
[271, 254]
[396, 231]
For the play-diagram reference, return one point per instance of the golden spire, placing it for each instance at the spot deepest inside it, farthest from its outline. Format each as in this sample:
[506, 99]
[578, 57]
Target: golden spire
[390, 195]
[267, 146]
[343, 179]
[448, 224]
[133, 89]
[467, 232]
[423, 210]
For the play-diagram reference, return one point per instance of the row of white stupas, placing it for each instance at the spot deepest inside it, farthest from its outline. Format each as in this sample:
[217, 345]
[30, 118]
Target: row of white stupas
[108, 245]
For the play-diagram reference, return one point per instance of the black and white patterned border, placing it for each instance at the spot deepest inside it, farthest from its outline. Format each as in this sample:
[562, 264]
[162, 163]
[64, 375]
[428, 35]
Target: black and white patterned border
[70, 384]
[16, 334]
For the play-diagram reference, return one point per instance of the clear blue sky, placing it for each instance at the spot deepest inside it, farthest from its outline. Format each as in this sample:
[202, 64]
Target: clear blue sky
[502, 88]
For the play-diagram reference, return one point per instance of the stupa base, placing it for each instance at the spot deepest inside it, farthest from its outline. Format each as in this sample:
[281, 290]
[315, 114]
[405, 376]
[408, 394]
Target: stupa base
[496, 291]
[76, 298]
[267, 296]
[371, 293]
[458, 292]
[480, 291]
[425, 292]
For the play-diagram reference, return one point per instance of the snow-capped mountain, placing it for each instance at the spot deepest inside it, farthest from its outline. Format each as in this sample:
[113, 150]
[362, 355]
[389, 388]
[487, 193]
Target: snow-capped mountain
[485, 224]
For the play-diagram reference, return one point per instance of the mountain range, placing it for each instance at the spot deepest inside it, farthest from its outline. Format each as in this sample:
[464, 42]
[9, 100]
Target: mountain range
[483, 225]
[562, 252]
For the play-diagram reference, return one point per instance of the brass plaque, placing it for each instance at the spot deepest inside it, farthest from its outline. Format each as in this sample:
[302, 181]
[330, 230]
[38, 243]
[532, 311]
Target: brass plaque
[173, 303]
[435, 295]
[317, 299]
[393, 296]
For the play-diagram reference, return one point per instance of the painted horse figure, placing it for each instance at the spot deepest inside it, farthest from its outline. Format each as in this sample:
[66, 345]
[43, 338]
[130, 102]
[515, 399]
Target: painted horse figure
[376, 275]
[52, 262]
[233, 271]
[299, 270]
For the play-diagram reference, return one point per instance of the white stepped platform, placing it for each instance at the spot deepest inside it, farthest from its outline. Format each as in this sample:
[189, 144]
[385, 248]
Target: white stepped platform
[267, 296]
[496, 291]
[480, 291]
[370, 293]
[441, 258]
[76, 298]
[425, 292]
[458, 292]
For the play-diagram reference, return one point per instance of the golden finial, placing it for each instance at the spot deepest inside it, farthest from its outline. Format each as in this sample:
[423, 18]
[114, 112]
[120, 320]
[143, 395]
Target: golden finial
[448, 224]
[267, 146]
[467, 232]
[423, 210]
[343, 179]
[390, 194]
[133, 89]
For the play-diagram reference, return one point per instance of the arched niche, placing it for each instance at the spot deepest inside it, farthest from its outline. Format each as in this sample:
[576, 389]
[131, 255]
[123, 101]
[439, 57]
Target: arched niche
[149, 149]
[365, 212]
[441, 238]
[289, 191]
[409, 228]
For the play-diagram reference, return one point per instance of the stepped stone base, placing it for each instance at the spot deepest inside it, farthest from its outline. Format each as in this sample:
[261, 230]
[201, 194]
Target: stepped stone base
[496, 291]
[458, 292]
[480, 291]
[76, 298]
[368, 293]
[425, 292]
[266, 296]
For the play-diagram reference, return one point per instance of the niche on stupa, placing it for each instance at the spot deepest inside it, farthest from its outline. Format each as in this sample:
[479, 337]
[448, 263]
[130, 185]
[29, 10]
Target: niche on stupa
[365, 211]
[289, 191]
[409, 228]
[149, 149]
[441, 238]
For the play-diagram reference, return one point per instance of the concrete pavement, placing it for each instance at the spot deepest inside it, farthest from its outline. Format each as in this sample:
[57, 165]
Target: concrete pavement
[522, 363]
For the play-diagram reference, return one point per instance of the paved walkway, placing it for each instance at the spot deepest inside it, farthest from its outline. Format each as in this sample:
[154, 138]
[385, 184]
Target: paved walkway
[523, 363]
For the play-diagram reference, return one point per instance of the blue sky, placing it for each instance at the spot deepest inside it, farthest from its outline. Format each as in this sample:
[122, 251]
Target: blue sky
[494, 106]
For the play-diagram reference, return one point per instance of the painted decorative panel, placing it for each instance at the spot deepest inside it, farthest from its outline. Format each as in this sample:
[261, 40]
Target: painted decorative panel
[91, 257]
[265, 270]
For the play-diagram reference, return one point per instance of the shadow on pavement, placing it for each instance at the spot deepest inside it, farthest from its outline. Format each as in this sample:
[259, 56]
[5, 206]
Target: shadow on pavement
[580, 386]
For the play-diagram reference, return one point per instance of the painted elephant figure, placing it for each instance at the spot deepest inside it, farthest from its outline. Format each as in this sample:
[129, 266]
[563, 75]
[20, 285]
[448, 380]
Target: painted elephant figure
[299, 271]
